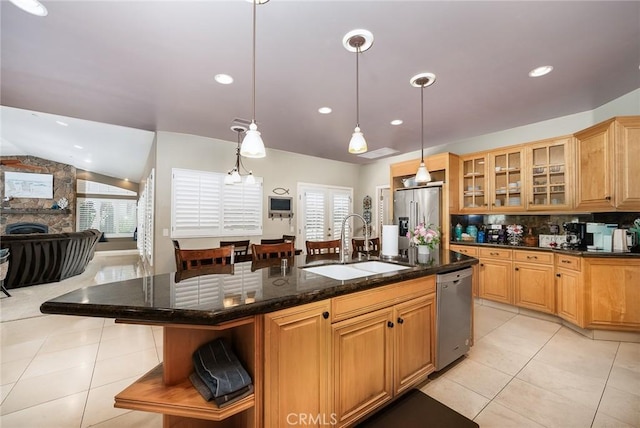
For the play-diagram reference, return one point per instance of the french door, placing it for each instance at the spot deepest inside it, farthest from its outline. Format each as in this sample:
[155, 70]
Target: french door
[322, 209]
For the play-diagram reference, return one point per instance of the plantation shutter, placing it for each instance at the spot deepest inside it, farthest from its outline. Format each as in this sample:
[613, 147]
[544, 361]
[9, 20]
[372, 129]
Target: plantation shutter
[314, 215]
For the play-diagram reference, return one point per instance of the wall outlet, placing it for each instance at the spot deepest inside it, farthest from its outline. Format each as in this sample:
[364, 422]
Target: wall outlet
[165, 232]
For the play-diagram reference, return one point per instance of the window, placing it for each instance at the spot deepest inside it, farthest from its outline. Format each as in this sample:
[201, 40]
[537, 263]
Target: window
[322, 210]
[203, 206]
[110, 209]
[145, 219]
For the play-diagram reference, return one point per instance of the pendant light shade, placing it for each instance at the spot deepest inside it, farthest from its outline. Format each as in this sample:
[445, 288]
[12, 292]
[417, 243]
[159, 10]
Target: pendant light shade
[234, 176]
[357, 41]
[421, 81]
[252, 145]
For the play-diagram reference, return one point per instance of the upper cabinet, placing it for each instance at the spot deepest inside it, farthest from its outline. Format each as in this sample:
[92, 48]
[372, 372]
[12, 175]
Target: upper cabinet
[607, 164]
[549, 174]
[506, 180]
[474, 195]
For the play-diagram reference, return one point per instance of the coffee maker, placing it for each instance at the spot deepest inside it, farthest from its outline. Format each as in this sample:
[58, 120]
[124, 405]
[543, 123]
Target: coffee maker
[576, 234]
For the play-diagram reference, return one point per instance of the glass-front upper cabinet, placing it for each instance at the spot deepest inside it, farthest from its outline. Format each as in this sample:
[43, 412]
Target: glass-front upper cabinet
[474, 183]
[507, 180]
[549, 172]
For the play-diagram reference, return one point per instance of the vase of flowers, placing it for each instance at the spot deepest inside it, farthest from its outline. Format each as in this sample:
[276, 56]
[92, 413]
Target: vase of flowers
[426, 238]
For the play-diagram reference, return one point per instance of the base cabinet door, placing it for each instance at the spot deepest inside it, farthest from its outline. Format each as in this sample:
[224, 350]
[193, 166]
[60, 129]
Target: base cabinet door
[415, 346]
[362, 358]
[495, 280]
[569, 296]
[534, 287]
[297, 366]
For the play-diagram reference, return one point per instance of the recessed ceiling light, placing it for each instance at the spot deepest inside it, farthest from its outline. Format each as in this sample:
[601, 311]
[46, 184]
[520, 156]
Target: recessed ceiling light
[78, 146]
[224, 79]
[88, 160]
[33, 7]
[324, 110]
[396, 122]
[540, 71]
[61, 123]
[126, 179]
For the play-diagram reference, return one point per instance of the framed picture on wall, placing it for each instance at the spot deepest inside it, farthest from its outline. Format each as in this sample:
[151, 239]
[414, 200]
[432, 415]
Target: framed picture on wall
[27, 185]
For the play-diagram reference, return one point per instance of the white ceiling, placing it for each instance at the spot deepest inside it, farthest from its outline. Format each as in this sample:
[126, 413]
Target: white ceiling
[149, 66]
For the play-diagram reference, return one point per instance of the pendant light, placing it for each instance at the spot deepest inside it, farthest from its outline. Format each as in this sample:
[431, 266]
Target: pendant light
[421, 81]
[252, 145]
[357, 41]
[233, 176]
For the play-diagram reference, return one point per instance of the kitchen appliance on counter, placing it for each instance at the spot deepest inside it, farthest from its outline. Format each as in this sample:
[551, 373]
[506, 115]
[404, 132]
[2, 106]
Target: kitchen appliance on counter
[576, 236]
[414, 206]
[453, 316]
[495, 234]
[600, 236]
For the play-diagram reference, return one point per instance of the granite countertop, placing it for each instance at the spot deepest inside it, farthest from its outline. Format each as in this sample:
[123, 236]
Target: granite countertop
[235, 291]
[580, 253]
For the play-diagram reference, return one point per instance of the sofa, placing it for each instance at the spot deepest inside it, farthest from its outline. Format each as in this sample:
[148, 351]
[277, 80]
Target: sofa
[39, 258]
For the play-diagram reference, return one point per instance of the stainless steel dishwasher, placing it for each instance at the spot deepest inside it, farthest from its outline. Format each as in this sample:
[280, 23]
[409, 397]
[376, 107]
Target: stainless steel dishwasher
[453, 317]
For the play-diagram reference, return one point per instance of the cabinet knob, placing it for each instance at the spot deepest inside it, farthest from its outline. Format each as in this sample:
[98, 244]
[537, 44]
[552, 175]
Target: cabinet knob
[482, 264]
[558, 275]
[400, 320]
[325, 315]
[517, 268]
[608, 198]
[390, 324]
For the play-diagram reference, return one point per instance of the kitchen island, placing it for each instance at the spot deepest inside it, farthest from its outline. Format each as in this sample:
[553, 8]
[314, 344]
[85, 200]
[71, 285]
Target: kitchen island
[262, 308]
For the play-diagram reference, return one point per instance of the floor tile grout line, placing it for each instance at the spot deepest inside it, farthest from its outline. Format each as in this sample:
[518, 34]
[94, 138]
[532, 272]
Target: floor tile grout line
[606, 384]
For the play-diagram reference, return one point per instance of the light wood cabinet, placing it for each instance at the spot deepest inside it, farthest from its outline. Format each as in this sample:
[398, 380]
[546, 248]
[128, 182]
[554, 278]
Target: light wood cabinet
[533, 280]
[495, 277]
[569, 289]
[385, 349]
[549, 174]
[506, 180]
[613, 293]
[297, 364]
[414, 341]
[474, 184]
[607, 168]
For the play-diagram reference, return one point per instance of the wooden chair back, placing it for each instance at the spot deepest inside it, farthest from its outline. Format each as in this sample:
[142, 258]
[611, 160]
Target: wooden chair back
[187, 260]
[240, 248]
[272, 241]
[323, 247]
[357, 246]
[291, 238]
[271, 251]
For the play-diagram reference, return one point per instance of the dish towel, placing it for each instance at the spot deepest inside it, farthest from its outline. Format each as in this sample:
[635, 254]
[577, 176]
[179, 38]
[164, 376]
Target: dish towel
[220, 370]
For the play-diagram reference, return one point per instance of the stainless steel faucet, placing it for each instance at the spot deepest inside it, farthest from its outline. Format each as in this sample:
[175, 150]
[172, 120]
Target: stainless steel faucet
[343, 255]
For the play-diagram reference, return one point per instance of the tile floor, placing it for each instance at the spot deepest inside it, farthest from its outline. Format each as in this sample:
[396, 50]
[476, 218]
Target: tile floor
[63, 371]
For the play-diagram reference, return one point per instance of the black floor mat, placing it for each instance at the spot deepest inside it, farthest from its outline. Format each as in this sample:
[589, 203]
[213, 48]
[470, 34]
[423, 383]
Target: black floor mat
[417, 410]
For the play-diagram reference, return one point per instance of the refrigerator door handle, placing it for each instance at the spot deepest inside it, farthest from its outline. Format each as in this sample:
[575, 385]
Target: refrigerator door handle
[416, 218]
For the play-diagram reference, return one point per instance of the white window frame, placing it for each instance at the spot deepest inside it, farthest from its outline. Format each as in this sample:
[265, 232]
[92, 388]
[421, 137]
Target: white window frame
[203, 206]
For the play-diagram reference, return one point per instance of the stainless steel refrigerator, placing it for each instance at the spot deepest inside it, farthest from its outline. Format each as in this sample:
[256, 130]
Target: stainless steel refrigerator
[413, 206]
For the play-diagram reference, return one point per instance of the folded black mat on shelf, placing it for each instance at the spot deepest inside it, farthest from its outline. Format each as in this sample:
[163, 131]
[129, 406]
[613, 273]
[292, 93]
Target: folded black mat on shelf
[417, 410]
[219, 368]
[223, 400]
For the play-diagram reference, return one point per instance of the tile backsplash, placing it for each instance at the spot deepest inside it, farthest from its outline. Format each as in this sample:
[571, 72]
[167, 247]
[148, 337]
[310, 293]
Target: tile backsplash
[541, 224]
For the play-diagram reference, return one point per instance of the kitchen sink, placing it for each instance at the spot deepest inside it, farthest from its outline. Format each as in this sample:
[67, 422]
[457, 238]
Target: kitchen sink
[354, 270]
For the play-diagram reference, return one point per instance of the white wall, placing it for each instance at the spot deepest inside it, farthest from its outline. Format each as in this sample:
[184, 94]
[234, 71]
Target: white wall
[377, 174]
[278, 169]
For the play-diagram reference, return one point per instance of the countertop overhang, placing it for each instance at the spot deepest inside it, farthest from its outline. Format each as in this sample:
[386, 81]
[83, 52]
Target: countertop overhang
[236, 291]
[579, 253]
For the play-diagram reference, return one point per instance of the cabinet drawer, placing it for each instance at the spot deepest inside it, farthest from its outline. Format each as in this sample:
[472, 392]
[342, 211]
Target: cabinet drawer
[350, 305]
[463, 249]
[533, 257]
[495, 253]
[568, 262]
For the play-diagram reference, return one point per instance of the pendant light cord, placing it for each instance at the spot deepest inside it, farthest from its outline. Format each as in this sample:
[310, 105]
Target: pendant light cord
[357, 87]
[254, 60]
[422, 122]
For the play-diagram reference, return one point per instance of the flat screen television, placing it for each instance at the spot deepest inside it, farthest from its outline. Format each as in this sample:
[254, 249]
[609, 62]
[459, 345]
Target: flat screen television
[280, 206]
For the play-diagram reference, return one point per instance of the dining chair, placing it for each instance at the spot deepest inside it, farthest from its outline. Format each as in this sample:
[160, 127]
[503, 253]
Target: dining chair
[291, 238]
[323, 247]
[270, 251]
[357, 246]
[240, 248]
[202, 258]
